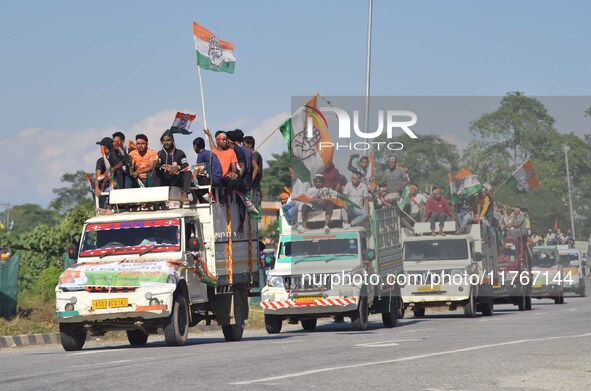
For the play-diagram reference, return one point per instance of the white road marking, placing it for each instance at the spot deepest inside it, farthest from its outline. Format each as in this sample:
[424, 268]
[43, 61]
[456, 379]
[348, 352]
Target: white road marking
[97, 351]
[416, 330]
[401, 359]
[539, 313]
[383, 344]
[572, 309]
[102, 363]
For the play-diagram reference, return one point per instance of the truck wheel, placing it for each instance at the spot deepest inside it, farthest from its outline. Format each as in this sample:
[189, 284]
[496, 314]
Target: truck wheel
[390, 319]
[359, 317]
[582, 292]
[521, 302]
[419, 312]
[559, 299]
[309, 324]
[176, 326]
[273, 324]
[72, 336]
[528, 306]
[488, 306]
[137, 337]
[233, 332]
[470, 307]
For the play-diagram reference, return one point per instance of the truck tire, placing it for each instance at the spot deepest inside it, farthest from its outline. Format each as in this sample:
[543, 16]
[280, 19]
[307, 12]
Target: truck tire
[137, 337]
[528, 306]
[233, 332]
[559, 299]
[470, 307]
[419, 312]
[273, 324]
[488, 306]
[72, 336]
[309, 324]
[176, 326]
[582, 292]
[359, 317]
[520, 302]
[390, 319]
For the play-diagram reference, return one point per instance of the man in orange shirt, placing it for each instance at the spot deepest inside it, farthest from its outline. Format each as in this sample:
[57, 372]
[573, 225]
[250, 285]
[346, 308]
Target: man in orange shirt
[228, 161]
[144, 160]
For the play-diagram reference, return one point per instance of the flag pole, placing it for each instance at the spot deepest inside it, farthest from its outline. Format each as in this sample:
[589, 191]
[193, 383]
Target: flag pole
[277, 128]
[202, 96]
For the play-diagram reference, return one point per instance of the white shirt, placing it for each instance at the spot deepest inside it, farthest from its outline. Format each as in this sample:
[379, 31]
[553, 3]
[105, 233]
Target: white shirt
[420, 199]
[356, 194]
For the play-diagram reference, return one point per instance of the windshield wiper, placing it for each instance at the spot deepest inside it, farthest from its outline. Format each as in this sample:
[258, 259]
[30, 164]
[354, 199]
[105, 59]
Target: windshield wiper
[153, 247]
[110, 252]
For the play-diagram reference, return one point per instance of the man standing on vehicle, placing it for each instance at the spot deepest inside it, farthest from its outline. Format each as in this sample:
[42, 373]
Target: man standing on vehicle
[395, 178]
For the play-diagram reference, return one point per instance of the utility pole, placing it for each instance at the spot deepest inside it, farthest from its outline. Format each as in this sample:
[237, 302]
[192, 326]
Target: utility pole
[368, 67]
[570, 198]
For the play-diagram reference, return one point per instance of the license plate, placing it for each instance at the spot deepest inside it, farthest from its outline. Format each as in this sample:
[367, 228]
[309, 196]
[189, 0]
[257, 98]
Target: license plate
[306, 298]
[428, 288]
[109, 303]
[537, 286]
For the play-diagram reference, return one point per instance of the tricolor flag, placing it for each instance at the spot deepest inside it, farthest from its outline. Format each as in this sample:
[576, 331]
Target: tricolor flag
[463, 184]
[181, 123]
[309, 151]
[213, 53]
[523, 178]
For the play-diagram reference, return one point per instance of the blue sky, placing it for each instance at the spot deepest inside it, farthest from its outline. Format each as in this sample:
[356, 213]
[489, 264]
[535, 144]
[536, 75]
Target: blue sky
[73, 72]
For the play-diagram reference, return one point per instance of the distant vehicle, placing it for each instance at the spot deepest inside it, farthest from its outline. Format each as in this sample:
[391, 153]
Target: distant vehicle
[515, 268]
[547, 275]
[169, 267]
[342, 273]
[573, 269]
[455, 271]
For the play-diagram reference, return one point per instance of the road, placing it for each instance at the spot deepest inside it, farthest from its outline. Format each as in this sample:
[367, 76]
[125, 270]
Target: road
[548, 348]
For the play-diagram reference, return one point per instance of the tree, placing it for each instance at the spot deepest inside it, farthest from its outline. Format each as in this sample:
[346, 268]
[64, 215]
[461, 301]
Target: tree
[28, 216]
[75, 194]
[276, 176]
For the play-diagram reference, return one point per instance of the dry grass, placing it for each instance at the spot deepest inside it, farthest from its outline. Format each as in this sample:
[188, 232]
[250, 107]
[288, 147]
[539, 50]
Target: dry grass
[34, 317]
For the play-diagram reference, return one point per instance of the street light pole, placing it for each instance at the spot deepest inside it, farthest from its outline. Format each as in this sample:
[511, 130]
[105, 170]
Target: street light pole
[570, 198]
[368, 67]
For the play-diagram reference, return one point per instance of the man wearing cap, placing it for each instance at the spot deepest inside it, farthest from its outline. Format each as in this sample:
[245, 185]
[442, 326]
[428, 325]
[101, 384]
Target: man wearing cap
[144, 160]
[171, 167]
[319, 195]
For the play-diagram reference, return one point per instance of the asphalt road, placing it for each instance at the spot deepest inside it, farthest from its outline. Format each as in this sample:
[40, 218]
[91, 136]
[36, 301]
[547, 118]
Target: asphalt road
[548, 348]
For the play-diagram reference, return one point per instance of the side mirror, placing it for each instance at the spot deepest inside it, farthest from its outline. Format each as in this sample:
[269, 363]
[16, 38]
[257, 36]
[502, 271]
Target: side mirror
[194, 244]
[370, 254]
[73, 252]
[477, 257]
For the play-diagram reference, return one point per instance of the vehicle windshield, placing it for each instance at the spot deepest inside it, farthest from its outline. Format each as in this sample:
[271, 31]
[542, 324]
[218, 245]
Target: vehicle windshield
[130, 237]
[436, 250]
[508, 253]
[324, 249]
[543, 258]
[570, 259]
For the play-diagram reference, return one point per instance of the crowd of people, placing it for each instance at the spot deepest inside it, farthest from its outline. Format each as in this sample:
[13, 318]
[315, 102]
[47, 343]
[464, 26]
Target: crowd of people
[232, 163]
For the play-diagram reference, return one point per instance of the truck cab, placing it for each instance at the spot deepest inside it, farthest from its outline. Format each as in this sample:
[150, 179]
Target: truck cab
[341, 273]
[164, 266]
[453, 271]
[547, 274]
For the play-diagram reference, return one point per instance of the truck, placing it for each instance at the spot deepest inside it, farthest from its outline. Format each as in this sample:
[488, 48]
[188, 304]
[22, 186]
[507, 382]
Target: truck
[514, 265]
[453, 271]
[573, 269]
[156, 264]
[547, 274]
[346, 272]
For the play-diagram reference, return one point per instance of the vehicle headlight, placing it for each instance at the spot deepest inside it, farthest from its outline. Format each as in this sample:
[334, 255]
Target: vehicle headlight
[275, 281]
[457, 271]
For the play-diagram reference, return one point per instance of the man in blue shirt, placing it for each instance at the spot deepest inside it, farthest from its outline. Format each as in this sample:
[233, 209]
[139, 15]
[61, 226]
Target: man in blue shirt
[211, 171]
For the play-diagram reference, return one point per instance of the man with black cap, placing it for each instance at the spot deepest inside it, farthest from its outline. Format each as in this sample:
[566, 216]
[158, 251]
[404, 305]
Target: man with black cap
[171, 167]
[111, 163]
